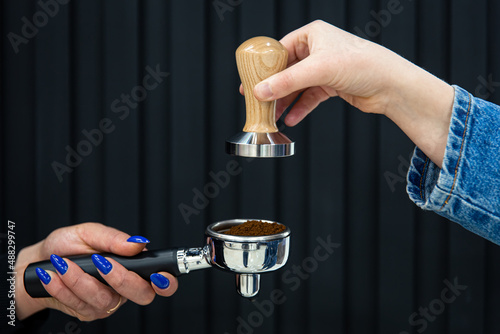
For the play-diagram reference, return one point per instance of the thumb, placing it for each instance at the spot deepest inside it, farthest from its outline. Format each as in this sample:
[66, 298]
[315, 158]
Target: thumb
[103, 238]
[309, 72]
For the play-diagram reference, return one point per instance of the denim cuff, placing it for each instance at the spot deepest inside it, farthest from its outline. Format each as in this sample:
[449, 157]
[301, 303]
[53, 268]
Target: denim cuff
[461, 190]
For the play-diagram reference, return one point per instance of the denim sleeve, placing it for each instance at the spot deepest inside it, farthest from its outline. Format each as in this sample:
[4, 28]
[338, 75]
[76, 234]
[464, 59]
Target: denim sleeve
[467, 188]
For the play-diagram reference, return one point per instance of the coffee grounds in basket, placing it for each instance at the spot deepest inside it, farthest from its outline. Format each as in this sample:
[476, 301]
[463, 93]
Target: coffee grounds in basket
[256, 228]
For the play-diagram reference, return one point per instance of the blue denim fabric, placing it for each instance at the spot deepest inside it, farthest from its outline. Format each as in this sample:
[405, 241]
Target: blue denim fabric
[467, 188]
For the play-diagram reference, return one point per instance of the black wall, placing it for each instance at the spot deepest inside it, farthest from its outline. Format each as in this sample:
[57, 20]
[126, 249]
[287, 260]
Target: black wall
[391, 258]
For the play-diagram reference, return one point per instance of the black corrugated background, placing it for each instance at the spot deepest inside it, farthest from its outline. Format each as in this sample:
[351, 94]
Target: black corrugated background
[392, 257]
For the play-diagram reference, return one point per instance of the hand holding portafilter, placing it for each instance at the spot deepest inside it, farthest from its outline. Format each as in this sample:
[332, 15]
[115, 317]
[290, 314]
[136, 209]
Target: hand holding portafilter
[246, 256]
[257, 59]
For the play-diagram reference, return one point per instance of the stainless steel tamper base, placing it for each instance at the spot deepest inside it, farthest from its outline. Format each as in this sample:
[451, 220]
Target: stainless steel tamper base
[260, 145]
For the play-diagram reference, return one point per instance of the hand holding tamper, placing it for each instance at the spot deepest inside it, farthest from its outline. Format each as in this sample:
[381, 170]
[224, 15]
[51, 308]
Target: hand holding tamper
[257, 59]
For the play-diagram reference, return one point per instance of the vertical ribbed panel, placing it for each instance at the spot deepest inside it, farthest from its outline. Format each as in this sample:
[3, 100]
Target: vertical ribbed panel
[145, 176]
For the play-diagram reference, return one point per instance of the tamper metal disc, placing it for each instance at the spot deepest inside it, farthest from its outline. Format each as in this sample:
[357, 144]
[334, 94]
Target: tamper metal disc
[260, 145]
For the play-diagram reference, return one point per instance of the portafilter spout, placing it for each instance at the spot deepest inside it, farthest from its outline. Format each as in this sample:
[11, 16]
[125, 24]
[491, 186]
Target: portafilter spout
[246, 256]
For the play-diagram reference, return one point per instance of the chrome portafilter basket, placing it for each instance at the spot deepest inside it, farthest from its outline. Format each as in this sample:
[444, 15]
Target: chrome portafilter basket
[246, 256]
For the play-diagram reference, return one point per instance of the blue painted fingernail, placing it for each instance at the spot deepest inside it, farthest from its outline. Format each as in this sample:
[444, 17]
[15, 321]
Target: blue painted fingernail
[160, 281]
[59, 264]
[43, 275]
[138, 239]
[102, 264]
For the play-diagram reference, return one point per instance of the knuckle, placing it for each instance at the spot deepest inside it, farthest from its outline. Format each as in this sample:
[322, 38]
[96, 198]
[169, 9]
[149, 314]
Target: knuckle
[119, 281]
[318, 24]
[104, 301]
[83, 312]
[74, 284]
[319, 95]
[87, 226]
[92, 224]
[115, 239]
[80, 307]
[313, 95]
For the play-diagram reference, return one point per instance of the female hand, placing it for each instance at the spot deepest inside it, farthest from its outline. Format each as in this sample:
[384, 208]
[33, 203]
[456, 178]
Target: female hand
[75, 292]
[325, 61]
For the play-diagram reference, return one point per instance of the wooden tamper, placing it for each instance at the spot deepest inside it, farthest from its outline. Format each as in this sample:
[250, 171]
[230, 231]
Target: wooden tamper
[257, 59]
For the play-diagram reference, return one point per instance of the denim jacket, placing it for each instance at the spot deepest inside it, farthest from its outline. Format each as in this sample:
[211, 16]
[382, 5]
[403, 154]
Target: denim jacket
[467, 188]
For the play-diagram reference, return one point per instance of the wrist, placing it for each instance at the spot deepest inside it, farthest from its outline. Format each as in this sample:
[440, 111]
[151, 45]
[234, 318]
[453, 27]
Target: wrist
[421, 105]
[25, 304]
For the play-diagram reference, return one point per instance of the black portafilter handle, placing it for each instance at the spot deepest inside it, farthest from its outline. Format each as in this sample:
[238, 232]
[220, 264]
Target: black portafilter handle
[144, 264]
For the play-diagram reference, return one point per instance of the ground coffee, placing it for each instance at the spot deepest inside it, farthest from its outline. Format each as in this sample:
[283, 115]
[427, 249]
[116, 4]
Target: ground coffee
[256, 228]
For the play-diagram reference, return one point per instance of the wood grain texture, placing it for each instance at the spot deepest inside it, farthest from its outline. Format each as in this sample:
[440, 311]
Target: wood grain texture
[257, 59]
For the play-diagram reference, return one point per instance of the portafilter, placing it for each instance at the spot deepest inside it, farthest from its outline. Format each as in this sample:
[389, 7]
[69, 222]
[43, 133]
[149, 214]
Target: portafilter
[246, 256]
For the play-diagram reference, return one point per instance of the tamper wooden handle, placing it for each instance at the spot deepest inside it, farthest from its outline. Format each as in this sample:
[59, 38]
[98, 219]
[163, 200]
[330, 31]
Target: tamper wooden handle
[257, 59]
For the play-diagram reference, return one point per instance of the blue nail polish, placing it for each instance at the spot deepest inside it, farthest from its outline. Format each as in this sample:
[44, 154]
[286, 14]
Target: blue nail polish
[59, 264]
[138, 239]
[102, 264]
[43, 275]
[160, 281]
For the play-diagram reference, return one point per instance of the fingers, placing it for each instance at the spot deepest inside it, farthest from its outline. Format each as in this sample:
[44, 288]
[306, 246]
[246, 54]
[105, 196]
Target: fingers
[65, 300]
[127, 283]
[83, 296]
[78, 293]
[242, 91]
[284, 103]
[84, 286]
[297, 44]
[164, 284]
[309, 100]
[130, 285]
[281, 104]
[107, 239]
[307, 73]
[313, 97]
[301, 42]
